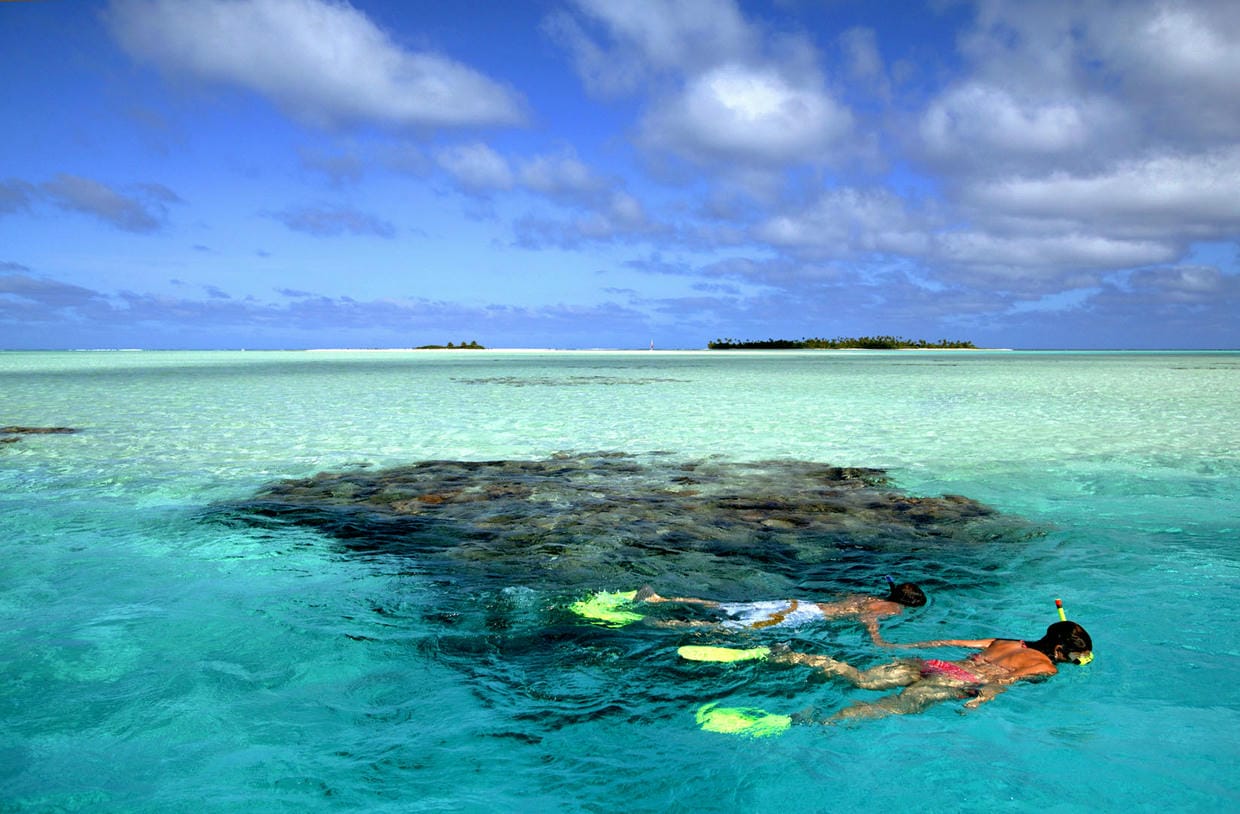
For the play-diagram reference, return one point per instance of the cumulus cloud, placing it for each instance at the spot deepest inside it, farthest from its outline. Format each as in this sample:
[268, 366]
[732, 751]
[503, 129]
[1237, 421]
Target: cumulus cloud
[738, 112]
[858, 225]
[597, 209]
[1173, 57]
[1174, 195]
[1036, 265]
[845, 221]
[720, 91]
[1081, 141]
[324, 62]
[558, 176]
[977, 115]
[1084, 82]
[334, 221]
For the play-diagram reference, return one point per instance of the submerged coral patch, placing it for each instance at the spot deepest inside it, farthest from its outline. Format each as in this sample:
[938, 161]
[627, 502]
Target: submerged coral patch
[573, 520]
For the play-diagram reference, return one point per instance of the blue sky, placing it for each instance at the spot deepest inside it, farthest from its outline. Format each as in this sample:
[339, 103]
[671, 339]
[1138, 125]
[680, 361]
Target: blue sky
[581, 173]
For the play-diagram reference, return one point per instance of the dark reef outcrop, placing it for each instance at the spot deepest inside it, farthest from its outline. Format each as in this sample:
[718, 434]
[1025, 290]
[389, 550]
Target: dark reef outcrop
[12, 433]
[569, 517]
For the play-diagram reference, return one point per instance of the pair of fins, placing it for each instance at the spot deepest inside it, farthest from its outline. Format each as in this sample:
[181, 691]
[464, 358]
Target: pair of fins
[615, 609]
[748, 721]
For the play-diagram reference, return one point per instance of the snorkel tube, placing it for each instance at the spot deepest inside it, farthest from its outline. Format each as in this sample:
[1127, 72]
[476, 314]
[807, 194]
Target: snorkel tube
[1063, 617]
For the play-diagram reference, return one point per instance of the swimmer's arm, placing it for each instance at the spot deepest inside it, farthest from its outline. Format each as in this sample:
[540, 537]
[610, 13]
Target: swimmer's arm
[870, 620]
[980, 644]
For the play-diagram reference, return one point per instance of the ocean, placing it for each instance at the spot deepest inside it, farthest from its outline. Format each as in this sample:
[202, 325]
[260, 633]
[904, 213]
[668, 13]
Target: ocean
[344, 581]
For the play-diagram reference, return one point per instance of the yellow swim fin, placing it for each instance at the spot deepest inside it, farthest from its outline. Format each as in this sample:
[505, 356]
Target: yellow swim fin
[697, 652]
[754, 723]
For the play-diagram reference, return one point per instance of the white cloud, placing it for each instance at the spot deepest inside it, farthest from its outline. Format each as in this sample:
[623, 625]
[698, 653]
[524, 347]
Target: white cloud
[324, 62]
[1178, 62]
[562, 176]
[1040, 261]
[738, 112]
[976, 115]
[843, 222]
[476, 167]
[559, 176]
[1086, 83]
[1083, 139]
[1184, 196]
[646, 38]
[849, 223]
[719, 88]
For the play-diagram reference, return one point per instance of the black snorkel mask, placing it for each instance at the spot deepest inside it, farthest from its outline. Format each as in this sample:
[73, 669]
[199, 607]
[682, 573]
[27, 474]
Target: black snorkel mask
[1077, 658]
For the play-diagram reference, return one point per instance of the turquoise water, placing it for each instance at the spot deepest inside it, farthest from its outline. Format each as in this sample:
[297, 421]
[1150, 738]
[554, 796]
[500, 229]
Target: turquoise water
[163, 652]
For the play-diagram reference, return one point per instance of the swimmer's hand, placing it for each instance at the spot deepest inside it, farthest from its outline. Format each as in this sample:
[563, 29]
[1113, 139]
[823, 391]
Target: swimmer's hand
[986, 693]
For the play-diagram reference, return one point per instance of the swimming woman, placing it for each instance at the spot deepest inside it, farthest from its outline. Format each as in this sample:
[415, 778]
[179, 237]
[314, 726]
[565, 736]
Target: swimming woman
[788, 613]
[979, 677]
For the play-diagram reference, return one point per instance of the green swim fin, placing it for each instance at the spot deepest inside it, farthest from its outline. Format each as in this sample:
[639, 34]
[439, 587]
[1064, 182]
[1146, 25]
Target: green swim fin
[698, 652]
[754, 723]
[607, 608]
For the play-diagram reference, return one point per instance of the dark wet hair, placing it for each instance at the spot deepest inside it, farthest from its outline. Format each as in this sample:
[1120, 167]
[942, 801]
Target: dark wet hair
[1068, 635]
[908, 594]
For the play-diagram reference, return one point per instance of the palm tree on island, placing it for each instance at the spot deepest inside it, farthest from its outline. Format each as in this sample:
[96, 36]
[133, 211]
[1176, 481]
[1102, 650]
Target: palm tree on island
[471, 345]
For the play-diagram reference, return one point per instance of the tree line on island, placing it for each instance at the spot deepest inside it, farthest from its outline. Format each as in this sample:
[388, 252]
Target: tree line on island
[471, 345]
[840, 343]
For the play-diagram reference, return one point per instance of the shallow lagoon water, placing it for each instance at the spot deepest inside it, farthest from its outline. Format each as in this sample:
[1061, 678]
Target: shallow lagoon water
[163, 653]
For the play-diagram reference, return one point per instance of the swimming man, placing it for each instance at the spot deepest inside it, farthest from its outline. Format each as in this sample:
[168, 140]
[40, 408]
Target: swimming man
[979, 677]
[788, 613]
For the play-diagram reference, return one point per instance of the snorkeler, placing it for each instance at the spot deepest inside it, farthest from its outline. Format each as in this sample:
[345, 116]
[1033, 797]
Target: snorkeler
[979, 677]
[786, 613]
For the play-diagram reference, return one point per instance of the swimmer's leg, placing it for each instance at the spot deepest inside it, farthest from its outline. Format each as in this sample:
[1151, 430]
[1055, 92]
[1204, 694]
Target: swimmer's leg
[916, 698]
[687, 623]
[882, 677]
[646, 594]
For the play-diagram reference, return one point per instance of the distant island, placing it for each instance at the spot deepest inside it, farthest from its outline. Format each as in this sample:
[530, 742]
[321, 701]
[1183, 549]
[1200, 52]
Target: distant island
[841, 343]
[463, 346]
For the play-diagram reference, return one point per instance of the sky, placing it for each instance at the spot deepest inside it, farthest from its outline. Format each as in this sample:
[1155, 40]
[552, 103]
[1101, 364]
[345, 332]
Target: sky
[614, 173]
